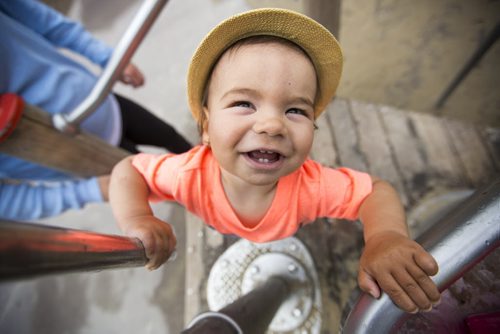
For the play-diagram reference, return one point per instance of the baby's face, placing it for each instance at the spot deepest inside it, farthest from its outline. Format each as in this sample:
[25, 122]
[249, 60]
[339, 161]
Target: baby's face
[260, 112]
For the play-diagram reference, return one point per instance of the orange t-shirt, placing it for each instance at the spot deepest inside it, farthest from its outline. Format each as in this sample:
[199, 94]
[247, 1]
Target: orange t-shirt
[193, 180]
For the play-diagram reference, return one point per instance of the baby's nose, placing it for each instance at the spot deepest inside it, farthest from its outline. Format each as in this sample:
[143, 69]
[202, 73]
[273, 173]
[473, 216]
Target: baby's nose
[270, 125]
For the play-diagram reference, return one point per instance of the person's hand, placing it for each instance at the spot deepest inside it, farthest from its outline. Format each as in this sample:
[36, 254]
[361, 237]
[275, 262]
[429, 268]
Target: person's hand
[131, 75]
[401, 268]
[156, 236]
[103, 182]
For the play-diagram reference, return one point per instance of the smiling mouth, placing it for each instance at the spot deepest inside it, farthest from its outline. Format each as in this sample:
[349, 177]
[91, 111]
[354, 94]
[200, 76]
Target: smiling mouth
[264, 156]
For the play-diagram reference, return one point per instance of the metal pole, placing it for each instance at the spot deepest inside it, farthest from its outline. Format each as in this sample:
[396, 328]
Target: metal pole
[249, 314]
[469, 65]
[457, 242]
[122, 54]
[28, 250]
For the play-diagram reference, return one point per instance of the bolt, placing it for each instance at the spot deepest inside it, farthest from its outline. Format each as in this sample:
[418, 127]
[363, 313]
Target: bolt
[254, 270]
[297, 312]
[293, 247]
[292, 268]
[190, 249]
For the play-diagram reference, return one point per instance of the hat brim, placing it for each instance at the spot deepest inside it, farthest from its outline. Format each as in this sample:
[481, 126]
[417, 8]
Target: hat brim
[320, 45]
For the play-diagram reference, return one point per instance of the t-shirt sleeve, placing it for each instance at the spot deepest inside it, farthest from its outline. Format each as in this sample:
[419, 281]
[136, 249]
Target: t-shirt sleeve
[159, 172]
[25, 201]
[343, 192]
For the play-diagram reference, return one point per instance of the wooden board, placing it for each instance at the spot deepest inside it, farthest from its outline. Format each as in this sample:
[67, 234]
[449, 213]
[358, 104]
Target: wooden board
[323, 149]
[36, 140]
[373, 145]
[444, 167]
[472, 152]
[407, 150]
[345, 135]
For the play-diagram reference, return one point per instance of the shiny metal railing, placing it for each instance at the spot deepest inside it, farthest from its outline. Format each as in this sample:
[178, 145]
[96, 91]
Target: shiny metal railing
[29, 250]
[122, 54]
[457, 242]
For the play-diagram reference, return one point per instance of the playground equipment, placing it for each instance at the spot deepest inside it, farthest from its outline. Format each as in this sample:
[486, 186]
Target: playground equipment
[31, 250]
[253, 286]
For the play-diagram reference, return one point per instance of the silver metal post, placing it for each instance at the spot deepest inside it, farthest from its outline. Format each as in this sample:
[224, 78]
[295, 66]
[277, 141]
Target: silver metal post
[122, 54]
[457, 242]
[249, 314]
[28, 250]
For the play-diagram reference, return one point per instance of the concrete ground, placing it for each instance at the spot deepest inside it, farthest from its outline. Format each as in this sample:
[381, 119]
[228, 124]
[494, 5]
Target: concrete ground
[400, 53]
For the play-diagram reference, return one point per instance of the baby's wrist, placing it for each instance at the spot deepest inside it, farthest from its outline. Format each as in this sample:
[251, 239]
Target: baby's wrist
[386, 234]
[128, 224]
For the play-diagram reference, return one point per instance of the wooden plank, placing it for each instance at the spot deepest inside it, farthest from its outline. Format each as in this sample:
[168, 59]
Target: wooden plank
[35, 139]
[196, 274]
[374, 146]
[491, 137]
[407, 151]
[323, 149]
[472, 152]
[445, 169]
[345, 136]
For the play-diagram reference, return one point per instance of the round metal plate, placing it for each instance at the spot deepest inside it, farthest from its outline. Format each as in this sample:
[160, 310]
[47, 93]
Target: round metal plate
[231, 277]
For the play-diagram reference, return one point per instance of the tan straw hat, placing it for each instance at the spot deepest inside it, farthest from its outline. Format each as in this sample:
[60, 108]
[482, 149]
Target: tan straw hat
[313, 38]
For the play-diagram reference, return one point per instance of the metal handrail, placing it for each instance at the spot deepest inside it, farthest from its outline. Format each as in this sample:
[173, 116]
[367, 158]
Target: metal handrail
[457, 242]
[28, 250]
[122, 54]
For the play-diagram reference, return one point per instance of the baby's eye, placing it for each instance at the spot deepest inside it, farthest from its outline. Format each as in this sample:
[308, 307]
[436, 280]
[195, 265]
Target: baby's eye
[297, 111]
[242, 104]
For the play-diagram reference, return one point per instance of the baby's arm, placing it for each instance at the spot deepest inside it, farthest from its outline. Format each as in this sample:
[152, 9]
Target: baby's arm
[129, 199]
[391, 260]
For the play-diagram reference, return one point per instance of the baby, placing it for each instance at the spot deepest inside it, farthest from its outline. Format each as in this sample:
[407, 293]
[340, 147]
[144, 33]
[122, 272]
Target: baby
[256, 84]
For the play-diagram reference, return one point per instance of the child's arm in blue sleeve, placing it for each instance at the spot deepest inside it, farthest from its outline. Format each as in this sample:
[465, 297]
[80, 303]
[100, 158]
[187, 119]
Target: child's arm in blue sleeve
[25, 201]
[57, 29]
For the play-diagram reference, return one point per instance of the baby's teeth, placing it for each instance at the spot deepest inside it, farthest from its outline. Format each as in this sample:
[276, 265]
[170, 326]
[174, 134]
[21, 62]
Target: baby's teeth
[264, 160]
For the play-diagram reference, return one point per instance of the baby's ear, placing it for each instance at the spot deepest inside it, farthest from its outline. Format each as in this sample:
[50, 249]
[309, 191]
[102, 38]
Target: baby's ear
[205, 113]
[205, 139]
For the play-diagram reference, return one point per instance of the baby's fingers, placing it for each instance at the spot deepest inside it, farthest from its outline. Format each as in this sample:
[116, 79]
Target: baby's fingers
[165, 243]
[419, 287]
[398, 294]
[427, 286]
[428, 264]
[368, 284]
[156, 254]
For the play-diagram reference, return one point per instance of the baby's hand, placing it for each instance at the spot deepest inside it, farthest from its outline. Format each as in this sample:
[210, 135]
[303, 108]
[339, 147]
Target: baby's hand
[156, 236]
[131, 75]
[401, 268]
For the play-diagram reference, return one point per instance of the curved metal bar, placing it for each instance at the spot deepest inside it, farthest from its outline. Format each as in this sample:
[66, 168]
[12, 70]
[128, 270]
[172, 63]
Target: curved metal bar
[457, 242]
[122, 54]
[28, 250]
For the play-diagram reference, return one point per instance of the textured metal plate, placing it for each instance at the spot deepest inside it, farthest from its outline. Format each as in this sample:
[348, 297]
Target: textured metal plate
[243, 265]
